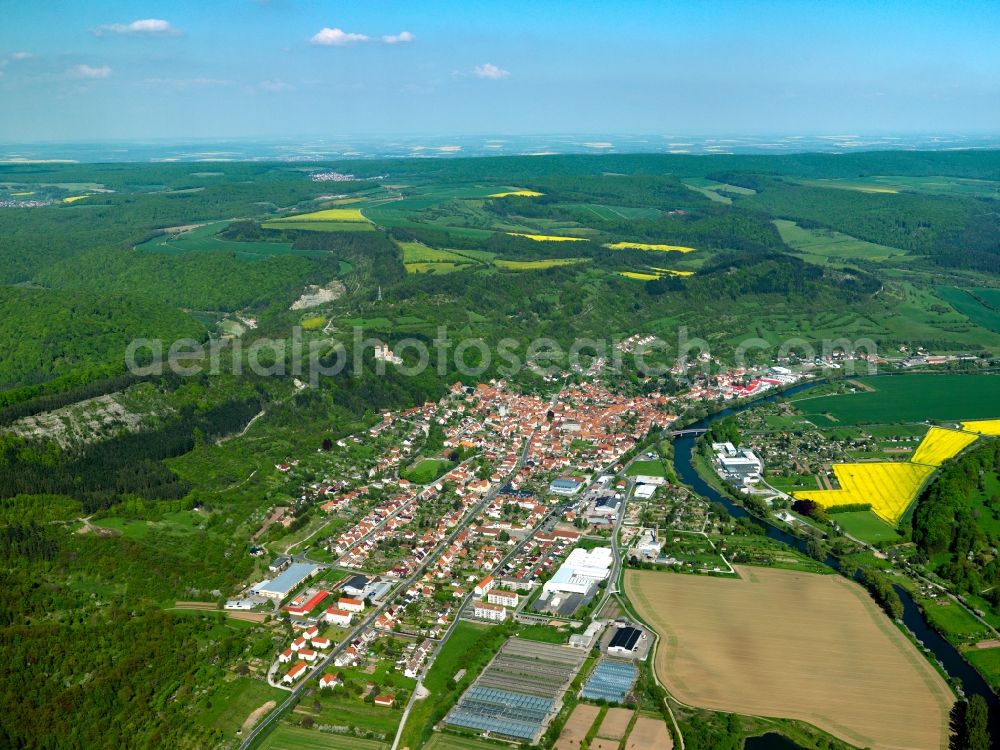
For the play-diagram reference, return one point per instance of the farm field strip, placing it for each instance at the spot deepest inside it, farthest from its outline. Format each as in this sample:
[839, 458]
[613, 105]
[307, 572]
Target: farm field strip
[889, 487]
[983, 426]
[527, 265]
[517, 194]
[940, 444]
[854, 675]
[907, 398]
[330, 214]
[647, 246]
[615, 723]
[547, 237]
[648, 732]
[576, 727]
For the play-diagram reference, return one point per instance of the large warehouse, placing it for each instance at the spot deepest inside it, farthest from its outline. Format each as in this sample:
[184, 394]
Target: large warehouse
[281, 586]
[582, 570]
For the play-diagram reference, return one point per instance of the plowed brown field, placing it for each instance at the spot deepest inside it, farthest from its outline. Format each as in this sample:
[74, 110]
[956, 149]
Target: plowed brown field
[794, 645]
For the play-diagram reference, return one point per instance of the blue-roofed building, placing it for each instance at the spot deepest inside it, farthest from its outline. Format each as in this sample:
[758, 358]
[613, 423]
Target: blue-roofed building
[610, 681]
[283, 585]
[565, 486]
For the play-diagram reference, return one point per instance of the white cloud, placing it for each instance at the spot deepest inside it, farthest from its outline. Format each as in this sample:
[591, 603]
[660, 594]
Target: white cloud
[144, 27]
[21, 55]
[275, 85]
[336, 37]
[88, 71]
[491, 71]
[403, 36]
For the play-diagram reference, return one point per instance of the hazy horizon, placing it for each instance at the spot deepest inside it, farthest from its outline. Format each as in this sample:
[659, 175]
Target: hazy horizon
[264, 69]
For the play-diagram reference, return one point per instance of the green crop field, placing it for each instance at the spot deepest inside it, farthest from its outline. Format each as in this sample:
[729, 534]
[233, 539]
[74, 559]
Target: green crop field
[908, 398]
[953, 620]
[933, 185]
[989, 295]
[987, 662]
[973, 308]
[428, 470]
[866, 526]
[536, 265]
[654, 468]
[615, 213]
[204, 239]
[320, 226]
[286, 737]
[825, 244]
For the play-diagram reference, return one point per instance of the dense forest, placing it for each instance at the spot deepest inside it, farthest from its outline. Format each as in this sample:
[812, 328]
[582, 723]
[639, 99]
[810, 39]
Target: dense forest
[166, 251]
[951, 521]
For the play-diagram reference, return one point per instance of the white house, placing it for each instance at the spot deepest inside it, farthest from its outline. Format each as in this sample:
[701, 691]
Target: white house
[339, 617]
[506, 598]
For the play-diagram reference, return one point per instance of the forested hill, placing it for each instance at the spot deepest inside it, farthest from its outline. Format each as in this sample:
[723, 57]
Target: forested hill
[957, 520]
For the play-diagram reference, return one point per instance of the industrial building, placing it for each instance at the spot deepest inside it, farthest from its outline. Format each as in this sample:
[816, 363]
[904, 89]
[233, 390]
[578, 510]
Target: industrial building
[582, 570]
[285, 583]
[625, 641]
[565, 486]
[738, 464]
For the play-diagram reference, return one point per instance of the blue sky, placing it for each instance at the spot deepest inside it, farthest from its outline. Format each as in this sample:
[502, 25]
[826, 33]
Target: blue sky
[106, 69]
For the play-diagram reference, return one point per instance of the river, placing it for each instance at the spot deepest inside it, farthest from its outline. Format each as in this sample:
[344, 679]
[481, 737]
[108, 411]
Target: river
[953, 663]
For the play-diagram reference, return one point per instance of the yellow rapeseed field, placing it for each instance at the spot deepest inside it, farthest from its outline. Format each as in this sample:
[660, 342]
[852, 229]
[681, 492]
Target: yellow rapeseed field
[547, 237]
[983, 426]
[939, 445]
[314, 323]
[330, 214]
[640, 276]
[517, 193]
[527, 265]
[673, 271]
[75, 198]
[646, 246]
[889, 487]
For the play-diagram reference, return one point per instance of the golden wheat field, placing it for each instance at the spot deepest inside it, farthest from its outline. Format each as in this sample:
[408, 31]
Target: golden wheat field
[803, 646]
[889, 487]
[940, 444]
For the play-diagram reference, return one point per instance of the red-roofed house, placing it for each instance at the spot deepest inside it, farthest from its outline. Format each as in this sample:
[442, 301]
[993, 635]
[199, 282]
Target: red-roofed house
[295, 672]
[328, 681]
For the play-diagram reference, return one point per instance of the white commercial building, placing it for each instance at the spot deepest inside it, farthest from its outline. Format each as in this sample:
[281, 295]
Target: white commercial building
[487, 611]
[741, 463]
[581, 571]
